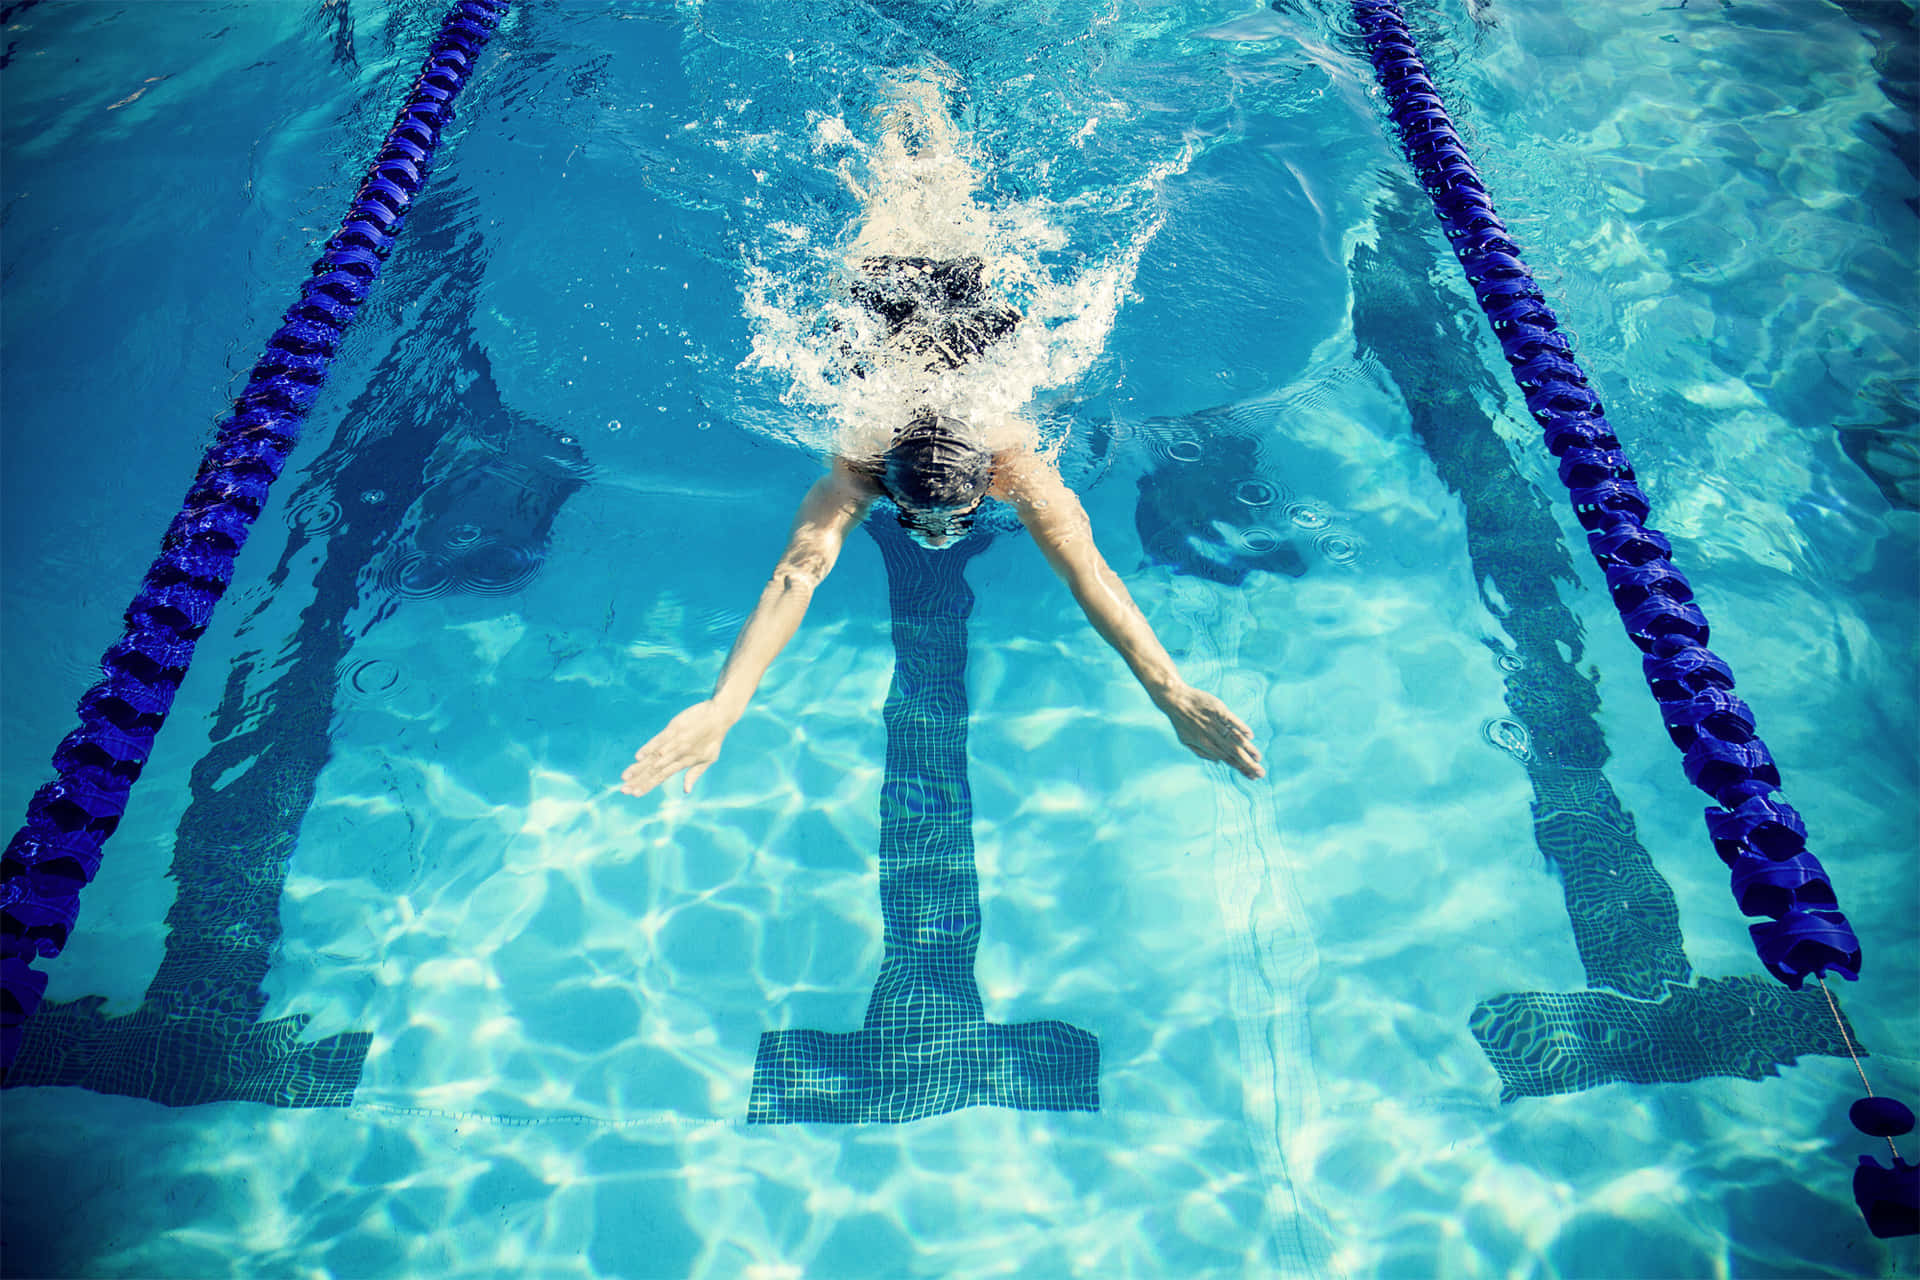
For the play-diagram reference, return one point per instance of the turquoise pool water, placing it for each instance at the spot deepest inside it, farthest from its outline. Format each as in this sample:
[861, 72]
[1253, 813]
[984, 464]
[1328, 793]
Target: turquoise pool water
[560, 451]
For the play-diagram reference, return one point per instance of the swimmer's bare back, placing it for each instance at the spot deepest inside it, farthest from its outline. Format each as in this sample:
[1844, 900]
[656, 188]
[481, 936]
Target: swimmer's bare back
[1051, 511]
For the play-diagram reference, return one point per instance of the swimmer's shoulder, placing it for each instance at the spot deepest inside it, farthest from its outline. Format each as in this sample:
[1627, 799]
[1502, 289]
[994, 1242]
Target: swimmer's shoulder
[1022, 477]
[853, 478]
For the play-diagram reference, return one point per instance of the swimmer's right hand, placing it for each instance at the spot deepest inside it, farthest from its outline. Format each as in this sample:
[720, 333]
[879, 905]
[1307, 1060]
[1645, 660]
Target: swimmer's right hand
[691, 741]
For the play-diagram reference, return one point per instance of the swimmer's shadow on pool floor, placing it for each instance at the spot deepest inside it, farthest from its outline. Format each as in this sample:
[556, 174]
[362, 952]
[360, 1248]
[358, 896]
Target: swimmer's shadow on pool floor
[1207, 506]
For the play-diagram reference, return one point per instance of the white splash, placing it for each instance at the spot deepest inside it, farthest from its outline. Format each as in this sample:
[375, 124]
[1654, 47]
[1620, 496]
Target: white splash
[918, 185]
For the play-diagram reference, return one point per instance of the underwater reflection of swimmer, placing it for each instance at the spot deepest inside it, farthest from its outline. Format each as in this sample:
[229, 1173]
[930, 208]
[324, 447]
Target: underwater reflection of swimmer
[937, 319]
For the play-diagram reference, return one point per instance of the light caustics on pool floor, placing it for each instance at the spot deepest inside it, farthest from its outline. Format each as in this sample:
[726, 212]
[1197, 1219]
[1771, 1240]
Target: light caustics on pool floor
[1625, 938]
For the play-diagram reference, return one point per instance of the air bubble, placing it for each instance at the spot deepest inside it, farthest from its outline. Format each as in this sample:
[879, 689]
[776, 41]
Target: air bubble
[1307, 516]
[1171, 440]
[373, 677]
[1510, 736]
[321, 515]
[417, 575]
[613, 424]
[1259, 541]
[1512, 662]
[1340, 548]
[497, 569]
[373, 497]
[1255, 493]
[463, 535]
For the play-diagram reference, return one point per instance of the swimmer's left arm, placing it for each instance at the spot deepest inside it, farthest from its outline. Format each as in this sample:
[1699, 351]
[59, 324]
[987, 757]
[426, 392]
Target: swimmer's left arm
[1059, 524]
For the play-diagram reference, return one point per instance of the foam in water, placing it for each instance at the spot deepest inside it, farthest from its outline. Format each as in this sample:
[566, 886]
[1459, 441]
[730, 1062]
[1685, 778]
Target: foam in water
[918, 185]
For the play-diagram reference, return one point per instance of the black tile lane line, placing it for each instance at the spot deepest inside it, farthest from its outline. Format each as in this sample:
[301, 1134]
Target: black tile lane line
[925, 1046]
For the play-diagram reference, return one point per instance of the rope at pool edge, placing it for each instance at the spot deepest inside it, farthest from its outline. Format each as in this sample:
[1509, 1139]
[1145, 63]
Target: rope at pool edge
[52, 857]
[1760, 837]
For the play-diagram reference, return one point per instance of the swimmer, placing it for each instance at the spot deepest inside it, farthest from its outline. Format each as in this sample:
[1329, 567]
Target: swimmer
[938, 317]
[939, 481]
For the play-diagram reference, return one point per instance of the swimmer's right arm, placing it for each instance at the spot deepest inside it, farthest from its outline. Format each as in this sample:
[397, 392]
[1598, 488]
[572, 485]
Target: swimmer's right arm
[691, 741]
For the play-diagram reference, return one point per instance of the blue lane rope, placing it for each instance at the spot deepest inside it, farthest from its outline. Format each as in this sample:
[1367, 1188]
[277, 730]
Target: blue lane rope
[56, 853]
[1760, 838]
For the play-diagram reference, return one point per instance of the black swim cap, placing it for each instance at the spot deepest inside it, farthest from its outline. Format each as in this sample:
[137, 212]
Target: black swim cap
[932, 466]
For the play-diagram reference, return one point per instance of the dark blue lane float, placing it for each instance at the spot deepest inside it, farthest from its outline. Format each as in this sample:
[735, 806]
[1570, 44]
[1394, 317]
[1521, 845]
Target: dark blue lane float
[1643, 1015]
[56, 853]
[1760, 837]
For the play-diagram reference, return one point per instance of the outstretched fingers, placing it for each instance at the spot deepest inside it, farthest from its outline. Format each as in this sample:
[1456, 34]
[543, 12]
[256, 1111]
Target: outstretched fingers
[1233, 745]
[690, 742]
[651, 768]
[645, 773]
[1212, 732]
[1246, 758]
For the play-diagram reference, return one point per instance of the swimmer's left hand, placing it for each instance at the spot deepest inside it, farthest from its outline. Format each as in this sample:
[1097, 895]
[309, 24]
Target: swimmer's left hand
[691, 741]
[1209, 730]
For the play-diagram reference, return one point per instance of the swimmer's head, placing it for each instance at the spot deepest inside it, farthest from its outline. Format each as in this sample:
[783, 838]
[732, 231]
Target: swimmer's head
[937, 477]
